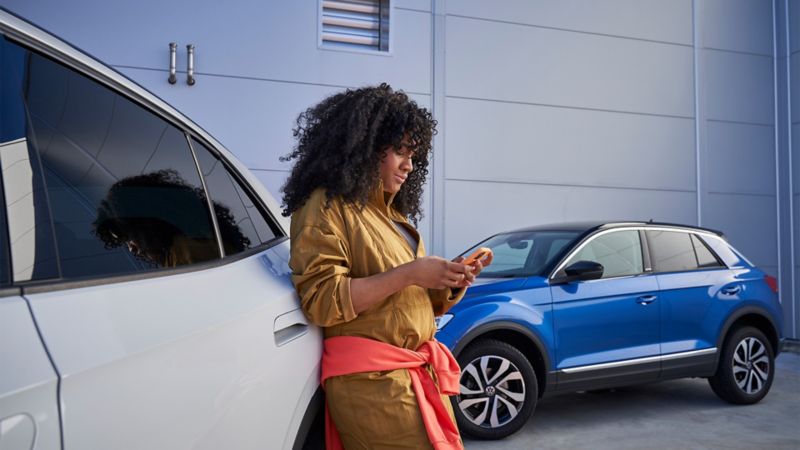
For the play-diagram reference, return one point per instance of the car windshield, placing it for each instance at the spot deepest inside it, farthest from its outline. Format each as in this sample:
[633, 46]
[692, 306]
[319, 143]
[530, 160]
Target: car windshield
[523, 253]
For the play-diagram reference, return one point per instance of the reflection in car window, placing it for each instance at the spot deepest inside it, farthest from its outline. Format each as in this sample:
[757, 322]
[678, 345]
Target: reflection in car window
[727, 253]
[121, 183]
[522, 253]
[619, 252]
[705, 259]
[244, 226]
[30, 229]
[671, 251]
[159, 217]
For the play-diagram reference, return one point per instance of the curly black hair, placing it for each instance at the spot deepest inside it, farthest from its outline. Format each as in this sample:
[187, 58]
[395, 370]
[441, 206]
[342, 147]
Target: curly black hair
[341, 141]
[154, 208]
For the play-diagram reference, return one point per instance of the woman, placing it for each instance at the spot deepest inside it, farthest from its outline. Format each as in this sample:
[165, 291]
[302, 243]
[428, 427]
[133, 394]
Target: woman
[360, 268]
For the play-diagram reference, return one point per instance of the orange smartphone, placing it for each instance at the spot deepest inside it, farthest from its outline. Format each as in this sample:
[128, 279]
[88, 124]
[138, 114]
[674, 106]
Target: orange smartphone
[477, 255]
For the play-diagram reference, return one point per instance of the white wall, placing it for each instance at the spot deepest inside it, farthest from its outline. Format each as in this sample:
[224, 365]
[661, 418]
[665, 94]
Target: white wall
[567, 111]
[740, 125]
[794, 86]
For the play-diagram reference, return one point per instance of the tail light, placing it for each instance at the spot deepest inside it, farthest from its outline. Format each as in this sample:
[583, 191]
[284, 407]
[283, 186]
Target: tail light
[772, 282]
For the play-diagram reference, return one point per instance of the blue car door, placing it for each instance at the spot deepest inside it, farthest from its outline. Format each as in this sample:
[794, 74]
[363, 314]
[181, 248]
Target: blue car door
[697, 293]
[607, 330]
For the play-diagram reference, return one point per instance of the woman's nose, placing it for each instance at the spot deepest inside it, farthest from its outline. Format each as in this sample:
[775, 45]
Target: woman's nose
[408, 165]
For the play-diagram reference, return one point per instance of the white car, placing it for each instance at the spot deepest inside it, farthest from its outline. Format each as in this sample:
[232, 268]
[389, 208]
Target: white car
[131, 317]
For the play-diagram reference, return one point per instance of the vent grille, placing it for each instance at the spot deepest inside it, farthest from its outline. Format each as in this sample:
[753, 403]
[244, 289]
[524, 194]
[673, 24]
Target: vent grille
[356, 24]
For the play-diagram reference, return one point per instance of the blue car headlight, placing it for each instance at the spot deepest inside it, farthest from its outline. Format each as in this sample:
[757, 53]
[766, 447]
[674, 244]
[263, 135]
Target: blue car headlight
[442, 320]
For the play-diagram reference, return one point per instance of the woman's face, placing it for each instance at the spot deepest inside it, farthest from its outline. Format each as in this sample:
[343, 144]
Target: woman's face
[395, 167]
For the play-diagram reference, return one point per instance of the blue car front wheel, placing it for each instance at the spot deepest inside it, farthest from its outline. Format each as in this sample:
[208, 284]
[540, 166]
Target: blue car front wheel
[498, 390]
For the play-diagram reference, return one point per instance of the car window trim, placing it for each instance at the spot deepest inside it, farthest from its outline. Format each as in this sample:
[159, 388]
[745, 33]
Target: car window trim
[10, 291]
[60, 284]
[594, 235]
[646, 261]
[7, 245]
[699, 269]
[211, 210]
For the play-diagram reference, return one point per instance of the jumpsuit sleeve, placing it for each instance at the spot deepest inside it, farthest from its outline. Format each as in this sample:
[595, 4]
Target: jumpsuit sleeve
[443, 299]
[321, 276]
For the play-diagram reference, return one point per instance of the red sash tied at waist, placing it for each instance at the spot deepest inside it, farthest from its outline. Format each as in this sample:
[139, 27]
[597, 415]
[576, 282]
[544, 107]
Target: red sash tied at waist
[344, 355]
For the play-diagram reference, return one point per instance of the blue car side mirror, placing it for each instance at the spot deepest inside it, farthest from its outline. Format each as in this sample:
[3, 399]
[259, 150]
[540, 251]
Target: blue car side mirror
[580, 271]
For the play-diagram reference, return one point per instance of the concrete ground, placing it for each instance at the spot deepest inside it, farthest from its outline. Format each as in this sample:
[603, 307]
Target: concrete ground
[679, 414]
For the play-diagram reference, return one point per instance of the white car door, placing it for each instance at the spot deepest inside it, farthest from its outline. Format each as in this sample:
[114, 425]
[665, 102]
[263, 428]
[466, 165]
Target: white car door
[28, 383]
[183, 361]
[162, 296]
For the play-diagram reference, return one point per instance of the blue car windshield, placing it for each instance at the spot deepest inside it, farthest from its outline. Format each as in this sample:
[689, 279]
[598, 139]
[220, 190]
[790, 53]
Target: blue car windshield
[523, 254]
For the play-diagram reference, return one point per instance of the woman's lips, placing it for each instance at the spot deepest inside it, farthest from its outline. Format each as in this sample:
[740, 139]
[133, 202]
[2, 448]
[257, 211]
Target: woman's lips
[399, 178]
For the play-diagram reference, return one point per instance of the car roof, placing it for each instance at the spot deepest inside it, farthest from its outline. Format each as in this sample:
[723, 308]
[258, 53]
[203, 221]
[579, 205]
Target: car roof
[590, 226]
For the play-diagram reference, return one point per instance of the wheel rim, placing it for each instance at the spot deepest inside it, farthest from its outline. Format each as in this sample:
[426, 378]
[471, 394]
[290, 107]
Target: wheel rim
[492, 391]
[750, 365]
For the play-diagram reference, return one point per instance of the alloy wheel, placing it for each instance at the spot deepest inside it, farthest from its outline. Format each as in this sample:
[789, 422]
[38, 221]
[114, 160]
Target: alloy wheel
[750, 365]
[492, 391]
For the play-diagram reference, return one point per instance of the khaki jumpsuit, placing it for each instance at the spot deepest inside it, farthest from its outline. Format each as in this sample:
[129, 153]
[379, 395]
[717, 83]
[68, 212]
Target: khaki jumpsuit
[375, 410]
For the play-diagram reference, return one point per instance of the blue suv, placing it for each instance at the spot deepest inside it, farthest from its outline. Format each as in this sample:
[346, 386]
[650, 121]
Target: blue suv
[587, 306]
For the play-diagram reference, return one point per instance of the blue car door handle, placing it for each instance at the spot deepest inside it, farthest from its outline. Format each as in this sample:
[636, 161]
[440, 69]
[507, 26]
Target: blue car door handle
[730, 290]
[646, 299]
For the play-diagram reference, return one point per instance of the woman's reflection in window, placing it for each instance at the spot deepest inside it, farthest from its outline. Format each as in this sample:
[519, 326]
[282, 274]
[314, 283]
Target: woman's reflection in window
[164, 221]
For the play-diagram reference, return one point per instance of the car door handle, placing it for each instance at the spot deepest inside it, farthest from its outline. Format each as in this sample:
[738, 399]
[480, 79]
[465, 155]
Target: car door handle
[290, 326]
[730, 290]
[646, 299]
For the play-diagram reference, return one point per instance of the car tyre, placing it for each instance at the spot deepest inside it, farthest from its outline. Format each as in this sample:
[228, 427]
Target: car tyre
[498, 390]
[746, 367]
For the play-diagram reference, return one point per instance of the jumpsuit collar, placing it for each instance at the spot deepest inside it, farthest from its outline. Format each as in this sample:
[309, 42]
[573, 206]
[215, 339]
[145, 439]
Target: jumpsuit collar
[383, 200]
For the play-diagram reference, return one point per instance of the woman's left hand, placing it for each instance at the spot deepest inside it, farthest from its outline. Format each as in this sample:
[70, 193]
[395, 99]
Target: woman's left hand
[477, 267]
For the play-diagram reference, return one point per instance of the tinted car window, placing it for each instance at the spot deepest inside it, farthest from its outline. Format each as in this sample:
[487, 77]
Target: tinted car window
[619, 252]
[705, 259]
[30, 230]
[121, 183]
[241, 224]
[727, 254]
[671, 251]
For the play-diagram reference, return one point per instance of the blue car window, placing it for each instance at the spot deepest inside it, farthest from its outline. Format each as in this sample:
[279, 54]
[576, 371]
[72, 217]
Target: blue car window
[705, 259]
[671, 251]
[619, 252]
[730, 256]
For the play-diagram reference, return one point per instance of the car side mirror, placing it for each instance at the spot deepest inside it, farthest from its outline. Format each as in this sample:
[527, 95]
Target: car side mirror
[581, 271]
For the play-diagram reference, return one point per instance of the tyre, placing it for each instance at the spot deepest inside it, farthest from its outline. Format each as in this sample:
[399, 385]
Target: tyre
[498, 390]
[746, 367]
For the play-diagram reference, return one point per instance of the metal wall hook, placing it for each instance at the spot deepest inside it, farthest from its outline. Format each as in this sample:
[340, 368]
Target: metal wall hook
[190, 68]
[173, 50]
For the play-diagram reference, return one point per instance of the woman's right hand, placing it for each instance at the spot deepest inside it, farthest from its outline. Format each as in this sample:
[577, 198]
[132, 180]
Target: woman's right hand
[433, 272]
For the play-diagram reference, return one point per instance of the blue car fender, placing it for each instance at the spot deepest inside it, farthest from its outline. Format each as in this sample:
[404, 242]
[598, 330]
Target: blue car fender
[500, 312]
